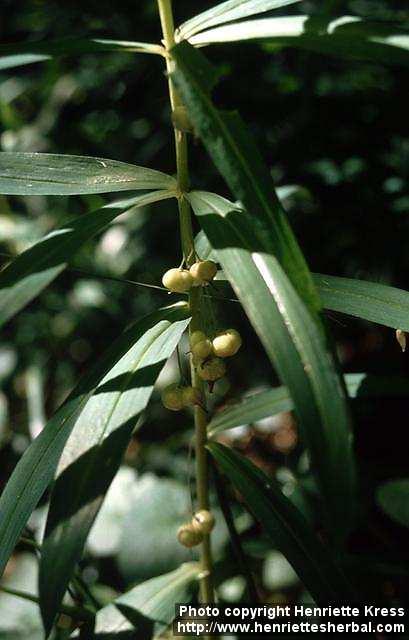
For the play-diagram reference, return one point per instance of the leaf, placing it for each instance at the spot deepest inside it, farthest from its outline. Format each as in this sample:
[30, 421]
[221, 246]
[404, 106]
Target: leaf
[238, 160]
[35, 470]
[202, 244]
[28, 274]
[255, 407]
[272, 401]
[288, 530]
[368, 300]
[349, 37]
[98, 439]
[21, 53]
[393, 498]
[149, 607]
[265, 266]
[295, 346]
[51, 174]
[227, 12]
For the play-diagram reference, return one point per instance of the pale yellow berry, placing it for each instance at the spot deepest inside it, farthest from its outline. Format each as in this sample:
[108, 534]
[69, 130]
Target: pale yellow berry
[191, 396]
[177, 280]
[226, 343]
[203, 521]
[188, 536]
[212, 369]
[203, 271]
[172, 397]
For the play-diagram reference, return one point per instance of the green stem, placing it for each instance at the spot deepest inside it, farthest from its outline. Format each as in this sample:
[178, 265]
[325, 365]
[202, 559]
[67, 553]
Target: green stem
[188, 248]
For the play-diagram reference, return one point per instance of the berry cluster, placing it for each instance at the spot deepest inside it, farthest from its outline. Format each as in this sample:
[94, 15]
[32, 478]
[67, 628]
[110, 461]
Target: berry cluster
[191, 534]
[182, 280]
[175, 397]
[208, 353]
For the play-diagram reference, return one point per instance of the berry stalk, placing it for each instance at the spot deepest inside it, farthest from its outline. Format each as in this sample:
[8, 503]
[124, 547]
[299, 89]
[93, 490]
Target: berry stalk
[187, 241]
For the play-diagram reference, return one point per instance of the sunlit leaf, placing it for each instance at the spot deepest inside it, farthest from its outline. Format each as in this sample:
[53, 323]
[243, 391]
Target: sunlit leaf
[52, 174]
[348, 37]
[265, 266]
[28, 274]
[35, 470]
[293, 342]
[22, 53]
[286, 526]
[227, 12]
[150, 606]
[98, 439]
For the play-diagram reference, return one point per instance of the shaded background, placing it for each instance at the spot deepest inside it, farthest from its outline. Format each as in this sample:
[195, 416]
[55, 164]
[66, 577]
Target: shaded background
[337, 129]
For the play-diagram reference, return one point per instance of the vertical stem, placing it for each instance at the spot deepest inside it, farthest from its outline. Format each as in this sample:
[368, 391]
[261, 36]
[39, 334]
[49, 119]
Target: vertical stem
[187, 241]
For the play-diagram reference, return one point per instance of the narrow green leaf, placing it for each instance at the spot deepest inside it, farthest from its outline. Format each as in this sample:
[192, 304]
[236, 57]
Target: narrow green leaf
[28, 274]
[272, 401]
[393, 498]
[349, 37]
[294, 344]
[36, 468]
[19, 60]
[202, 244]
[286, 526]
[254, 407]
[50, 174]
[368, 300]
[149, 607]
[21, 53]
[264, 264]
[227, 12]
[95, 449]
[238, 160]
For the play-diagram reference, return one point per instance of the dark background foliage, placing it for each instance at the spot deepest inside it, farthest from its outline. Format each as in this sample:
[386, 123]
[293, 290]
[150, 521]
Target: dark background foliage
[338, 129]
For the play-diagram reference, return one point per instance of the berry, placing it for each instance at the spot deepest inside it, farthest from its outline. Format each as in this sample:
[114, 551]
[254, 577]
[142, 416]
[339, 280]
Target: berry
[172, 397]
[203, 521]
[200, 345]
[188, 536]
[191, 396]
[212, 369]
[226, 343]
[202, 349]
[197, 336]
[177, 280]
[203, 271]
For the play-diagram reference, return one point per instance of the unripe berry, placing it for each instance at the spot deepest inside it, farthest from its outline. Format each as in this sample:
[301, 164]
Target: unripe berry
[197, 336]
[203, 271]
[212, 369]
[203, 349]
[200, 346]
[172, 397]
[191, 396]
[226, 343]
[188, 536]
[203, 521]
[177, 280]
